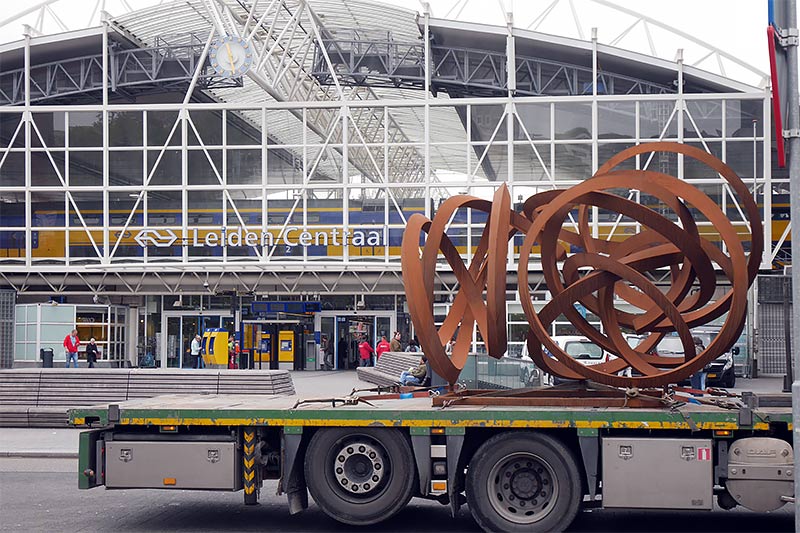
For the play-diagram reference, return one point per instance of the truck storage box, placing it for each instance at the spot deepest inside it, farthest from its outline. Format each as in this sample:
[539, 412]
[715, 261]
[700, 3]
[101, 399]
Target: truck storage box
[657, 473]
[173, 465]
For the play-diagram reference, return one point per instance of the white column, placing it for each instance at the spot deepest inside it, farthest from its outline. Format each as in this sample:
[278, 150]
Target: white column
[106, 217]
[27, 118]
[595, 210]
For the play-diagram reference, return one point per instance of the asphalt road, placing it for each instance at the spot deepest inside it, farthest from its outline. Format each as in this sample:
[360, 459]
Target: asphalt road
[42, 495]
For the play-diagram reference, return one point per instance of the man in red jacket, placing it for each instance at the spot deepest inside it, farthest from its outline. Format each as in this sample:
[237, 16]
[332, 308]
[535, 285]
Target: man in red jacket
[382, 347]
[71, 343]
[365, 351]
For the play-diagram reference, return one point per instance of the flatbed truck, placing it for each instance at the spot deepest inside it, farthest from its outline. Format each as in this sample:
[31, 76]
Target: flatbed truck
[519, 468]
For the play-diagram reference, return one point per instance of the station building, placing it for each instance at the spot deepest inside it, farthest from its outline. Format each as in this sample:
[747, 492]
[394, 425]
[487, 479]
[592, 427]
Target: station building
[250, 165]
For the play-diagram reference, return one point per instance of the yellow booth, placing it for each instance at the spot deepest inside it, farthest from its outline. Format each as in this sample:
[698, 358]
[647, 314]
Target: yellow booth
[214, 347]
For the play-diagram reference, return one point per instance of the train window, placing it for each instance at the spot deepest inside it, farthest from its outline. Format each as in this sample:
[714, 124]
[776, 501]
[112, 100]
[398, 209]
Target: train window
[780, 213]
[161, 218]
[201, 219]
[89, 220]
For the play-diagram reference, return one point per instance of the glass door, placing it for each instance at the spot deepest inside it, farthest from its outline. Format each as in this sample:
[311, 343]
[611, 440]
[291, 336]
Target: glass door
[174, 343]
[383, 327]
[190, 328]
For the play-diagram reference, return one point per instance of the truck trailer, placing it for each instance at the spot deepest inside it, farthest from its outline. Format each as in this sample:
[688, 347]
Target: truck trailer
[529, 467]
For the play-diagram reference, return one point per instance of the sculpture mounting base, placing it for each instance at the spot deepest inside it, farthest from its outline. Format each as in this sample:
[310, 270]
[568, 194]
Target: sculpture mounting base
[573, 394]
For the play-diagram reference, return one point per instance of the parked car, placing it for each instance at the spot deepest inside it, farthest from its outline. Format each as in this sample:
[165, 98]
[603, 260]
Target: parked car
[529, 374]
[581, 349]
[720, 371]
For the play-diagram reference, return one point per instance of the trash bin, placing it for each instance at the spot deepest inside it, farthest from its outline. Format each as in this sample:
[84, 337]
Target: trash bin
[46, 355]
[246, 359]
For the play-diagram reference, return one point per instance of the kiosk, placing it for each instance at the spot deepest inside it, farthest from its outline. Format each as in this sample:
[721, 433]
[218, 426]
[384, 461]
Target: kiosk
[214, 348]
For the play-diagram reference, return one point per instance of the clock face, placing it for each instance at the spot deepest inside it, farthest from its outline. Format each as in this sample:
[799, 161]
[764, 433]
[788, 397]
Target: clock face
[230, 56]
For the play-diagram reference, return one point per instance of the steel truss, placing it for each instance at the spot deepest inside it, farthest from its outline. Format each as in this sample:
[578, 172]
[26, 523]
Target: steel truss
[350, 120]
[287, 282]
[375, 59]
[163, 66]
[284, 34]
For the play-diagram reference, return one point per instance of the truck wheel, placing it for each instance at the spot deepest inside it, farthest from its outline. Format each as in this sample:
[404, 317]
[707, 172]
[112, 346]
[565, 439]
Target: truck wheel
[360, 476]
[730, 380]
[523, 481]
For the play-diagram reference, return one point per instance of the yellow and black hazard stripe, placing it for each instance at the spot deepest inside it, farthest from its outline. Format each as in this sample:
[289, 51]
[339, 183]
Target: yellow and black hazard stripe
[249, 467]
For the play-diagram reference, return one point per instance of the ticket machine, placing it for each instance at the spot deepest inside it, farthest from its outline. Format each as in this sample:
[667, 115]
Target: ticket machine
[278, 344]
[214, 348]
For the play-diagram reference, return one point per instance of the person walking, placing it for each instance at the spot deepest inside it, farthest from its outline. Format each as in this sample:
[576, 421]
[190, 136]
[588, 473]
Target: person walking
[365, 351]
[194, 349]
[448, 348]
[231, 353]
[342, 352]
[71, 343]
[91, 352]
[698, 379]
[395, 345]
[412, 347]
[382, 347]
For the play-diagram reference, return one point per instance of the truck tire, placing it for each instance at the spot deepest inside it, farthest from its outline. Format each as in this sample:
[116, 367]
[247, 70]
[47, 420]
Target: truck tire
[360, 476]
[730, 380]
[523, 481]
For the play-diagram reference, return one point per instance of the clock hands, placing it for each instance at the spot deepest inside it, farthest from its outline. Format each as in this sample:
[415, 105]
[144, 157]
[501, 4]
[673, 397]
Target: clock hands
[230, 57]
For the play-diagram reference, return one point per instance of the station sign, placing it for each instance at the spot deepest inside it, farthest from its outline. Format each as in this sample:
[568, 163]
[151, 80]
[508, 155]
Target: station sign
[239, 237]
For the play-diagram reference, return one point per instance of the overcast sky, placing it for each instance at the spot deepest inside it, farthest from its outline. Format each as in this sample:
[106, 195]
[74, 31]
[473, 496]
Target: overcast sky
[734, 26]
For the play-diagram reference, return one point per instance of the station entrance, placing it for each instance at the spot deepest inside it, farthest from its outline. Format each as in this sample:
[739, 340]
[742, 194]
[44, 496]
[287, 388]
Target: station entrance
[178, 328]
[341, 332]
[278, 344]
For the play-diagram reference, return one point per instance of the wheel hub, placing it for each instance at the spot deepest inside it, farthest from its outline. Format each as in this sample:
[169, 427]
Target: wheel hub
[359, 468]
[525, 484]
[522, 488]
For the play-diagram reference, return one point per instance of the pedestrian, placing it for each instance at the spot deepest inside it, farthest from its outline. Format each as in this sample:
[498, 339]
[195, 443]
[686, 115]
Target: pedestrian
[237, 353]
[71, 343]
[342, 352]
[91, 352]
[698, 379]
[197, 360]
[326, 351]
[416, 374]
[395, 345]
[365, 351]
[231, 353]
[382, 347]
[448, 348]
[412, 347]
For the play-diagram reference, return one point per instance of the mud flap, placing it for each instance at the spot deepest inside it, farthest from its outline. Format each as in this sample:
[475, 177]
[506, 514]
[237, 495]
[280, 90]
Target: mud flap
[293, 481]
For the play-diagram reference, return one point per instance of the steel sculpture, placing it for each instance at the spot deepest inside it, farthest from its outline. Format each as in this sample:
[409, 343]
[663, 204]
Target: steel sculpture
[597, 273]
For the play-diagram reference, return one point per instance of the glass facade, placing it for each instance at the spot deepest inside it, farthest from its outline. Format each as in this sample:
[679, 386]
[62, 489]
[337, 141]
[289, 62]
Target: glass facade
[137, 186]
[296, 181]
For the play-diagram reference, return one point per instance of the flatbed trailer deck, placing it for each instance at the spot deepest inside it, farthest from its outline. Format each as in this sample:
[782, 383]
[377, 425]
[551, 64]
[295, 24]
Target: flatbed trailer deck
[518, 467]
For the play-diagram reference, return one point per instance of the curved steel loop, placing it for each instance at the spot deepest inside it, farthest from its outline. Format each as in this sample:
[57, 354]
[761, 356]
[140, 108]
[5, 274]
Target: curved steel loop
[690, 255]
[486, 272]
[594, 271]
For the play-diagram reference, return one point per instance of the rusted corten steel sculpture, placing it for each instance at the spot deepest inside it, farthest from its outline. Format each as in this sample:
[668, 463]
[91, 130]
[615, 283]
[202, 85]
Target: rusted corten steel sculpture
[600, 271]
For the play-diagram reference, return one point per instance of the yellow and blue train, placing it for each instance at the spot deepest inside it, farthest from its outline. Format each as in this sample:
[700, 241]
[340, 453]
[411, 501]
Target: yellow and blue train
[323, 215]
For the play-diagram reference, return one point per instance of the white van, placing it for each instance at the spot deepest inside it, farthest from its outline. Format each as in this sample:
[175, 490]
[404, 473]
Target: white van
[579, 348]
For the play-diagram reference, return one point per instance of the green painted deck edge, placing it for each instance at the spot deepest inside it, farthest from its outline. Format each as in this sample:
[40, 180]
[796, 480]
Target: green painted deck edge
[600, 419]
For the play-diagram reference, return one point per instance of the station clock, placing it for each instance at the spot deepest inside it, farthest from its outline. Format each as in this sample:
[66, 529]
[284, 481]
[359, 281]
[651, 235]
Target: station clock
[230, 56]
